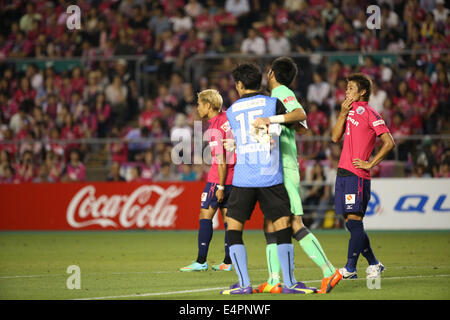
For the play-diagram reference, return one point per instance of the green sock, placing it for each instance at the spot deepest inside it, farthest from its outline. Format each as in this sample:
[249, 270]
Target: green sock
[312, 248]
[273, 264]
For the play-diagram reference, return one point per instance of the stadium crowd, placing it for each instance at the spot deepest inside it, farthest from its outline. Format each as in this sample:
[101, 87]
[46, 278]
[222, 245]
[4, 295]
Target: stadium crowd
[40, 104]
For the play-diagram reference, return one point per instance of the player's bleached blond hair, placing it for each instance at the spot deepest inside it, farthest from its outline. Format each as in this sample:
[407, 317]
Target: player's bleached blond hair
[212, 97]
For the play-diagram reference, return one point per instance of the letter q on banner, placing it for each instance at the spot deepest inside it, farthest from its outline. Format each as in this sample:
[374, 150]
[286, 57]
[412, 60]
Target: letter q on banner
[73, 20]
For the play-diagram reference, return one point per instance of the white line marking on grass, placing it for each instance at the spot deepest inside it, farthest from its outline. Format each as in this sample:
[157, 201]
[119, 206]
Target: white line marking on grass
[153, 294]
[137, 295]
[31, 276]
[176, 271]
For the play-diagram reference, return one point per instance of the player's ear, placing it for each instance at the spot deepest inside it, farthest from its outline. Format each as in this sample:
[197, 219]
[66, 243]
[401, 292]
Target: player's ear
[362, 92]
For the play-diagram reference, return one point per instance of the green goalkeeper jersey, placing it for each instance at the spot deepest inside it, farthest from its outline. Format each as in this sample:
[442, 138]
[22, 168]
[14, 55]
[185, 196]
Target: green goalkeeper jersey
[287, 137]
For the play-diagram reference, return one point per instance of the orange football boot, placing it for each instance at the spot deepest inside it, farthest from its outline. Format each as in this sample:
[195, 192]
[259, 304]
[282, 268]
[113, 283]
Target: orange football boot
[267, 288]
[329, 283]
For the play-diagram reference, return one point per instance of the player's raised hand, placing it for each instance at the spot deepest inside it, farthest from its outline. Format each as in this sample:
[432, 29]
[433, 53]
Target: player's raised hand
[347, 105]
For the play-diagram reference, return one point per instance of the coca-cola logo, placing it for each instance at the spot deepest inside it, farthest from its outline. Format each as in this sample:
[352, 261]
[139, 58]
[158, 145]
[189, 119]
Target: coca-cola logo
[147, 206]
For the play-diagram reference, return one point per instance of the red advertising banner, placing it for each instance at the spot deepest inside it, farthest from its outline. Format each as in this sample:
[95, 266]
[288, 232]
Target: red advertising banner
[105, 206]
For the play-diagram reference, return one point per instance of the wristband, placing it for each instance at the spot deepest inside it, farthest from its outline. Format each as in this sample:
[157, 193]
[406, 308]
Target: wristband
[274, 129]
[219, 187]
[277, 119]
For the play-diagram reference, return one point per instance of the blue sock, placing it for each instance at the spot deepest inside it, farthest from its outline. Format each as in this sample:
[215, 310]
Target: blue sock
[355, 244]
[286, 256]
[227, 258]
[239, 258]
[205, 233]
[367, 251]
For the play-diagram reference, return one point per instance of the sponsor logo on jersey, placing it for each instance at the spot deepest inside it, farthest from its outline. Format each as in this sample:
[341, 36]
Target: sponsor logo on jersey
[378, 122]
[360, 110]
[226, 126]
[288, 99]
[350, 198]
[353, 121]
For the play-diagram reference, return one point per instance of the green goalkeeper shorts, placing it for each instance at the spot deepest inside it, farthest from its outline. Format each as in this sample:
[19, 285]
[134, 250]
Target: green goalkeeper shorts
[292, 185]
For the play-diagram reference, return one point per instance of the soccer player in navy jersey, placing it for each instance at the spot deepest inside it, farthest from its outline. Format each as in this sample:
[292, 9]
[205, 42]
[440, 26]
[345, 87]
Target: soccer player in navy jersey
[360, 125]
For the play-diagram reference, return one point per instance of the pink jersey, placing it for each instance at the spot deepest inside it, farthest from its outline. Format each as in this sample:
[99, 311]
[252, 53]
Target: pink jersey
[219, 129]
[76, 172]
[363, 126]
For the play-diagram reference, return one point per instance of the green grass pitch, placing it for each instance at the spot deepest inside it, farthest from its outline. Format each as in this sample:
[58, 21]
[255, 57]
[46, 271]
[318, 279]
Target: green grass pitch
[144, 264]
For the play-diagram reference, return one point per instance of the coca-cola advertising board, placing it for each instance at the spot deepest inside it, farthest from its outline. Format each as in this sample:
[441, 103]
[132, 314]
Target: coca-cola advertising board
[105, 206]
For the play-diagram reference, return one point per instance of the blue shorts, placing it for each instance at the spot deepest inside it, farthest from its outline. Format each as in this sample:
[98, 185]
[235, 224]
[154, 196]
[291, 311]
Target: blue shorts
[352, 194]
[209, 196]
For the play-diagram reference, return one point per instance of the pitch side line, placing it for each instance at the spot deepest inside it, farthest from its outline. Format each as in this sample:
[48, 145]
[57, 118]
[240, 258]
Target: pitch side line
[175, 271]
[222, 288]
[153, 294]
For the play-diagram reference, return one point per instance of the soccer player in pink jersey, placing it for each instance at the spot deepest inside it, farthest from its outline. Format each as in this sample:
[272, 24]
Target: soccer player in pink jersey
[220, 176]
[360, 125]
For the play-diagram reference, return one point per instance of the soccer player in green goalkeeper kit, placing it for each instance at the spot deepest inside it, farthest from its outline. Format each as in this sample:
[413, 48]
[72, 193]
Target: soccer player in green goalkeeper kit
[281, 74]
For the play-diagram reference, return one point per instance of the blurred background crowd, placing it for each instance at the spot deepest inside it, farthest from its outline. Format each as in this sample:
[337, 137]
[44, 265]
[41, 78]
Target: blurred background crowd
[43, 105]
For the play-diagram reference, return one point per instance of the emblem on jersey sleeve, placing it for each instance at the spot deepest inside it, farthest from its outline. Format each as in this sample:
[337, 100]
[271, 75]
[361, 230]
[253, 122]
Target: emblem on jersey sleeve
[350, 198]
[378, 123]
[226, 126]
[204, 195]
[360, 110]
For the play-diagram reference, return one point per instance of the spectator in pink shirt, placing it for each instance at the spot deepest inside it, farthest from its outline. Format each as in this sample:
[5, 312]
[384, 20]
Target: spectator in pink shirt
[135, 174]
[75, 170]
[25, 91]
[26, 170]
[336, 31]
[148, 168]
[118, 150]
[71, 130]
[78, 81]
[164, 98]
[148, 114]
[317, 120]
[205, 24]
[400, 128]
[54, 165]
[191, 46]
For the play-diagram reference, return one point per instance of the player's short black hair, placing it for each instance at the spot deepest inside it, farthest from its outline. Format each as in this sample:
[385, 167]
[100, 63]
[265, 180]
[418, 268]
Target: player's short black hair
[285, 70]
[363, 82]
[249, 74]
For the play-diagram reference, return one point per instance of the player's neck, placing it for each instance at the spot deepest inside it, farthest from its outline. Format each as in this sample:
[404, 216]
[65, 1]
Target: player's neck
[212, 114]
[248, 91]
[275, 85]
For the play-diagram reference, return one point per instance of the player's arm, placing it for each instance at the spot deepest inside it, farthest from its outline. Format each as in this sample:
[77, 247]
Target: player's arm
[296, 115]
[339, 127]
[222, 170]
[388, 145]
[282, 116]
[299, 128]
